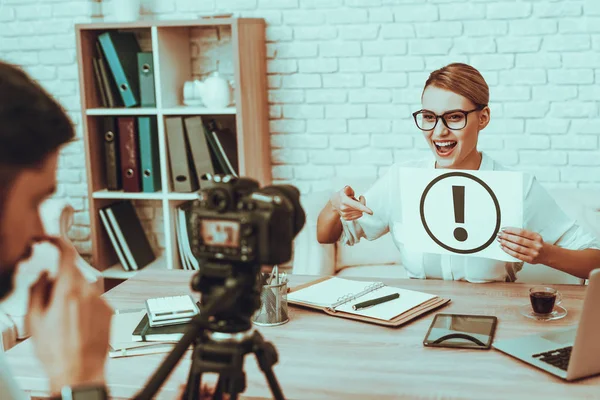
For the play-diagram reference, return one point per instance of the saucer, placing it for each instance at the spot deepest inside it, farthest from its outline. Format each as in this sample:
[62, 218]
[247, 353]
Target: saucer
[558, 313]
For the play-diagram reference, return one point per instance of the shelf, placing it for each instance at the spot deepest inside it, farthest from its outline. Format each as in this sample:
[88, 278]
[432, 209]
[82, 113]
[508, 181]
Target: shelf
[204, 21]
[180, 110]
[117, 272]
[233, 46]
[120, 111]
[110, 195]
[107, 194]
[182, 196]
[185, 110]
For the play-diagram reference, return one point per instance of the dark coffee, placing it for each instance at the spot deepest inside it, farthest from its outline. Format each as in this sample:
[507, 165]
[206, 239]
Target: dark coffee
[542, 302]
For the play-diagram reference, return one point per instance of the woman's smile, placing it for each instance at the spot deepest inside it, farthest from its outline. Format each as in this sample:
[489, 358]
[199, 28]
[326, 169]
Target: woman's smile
[444, 147]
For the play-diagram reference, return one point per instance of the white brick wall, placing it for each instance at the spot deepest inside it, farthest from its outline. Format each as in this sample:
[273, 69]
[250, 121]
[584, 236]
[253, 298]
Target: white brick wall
[344, 76]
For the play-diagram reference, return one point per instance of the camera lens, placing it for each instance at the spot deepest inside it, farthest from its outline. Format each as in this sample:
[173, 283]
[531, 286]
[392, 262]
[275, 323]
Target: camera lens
[292, 194]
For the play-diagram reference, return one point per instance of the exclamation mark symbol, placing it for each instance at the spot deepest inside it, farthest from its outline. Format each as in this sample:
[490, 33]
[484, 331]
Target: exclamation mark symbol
[458, 196]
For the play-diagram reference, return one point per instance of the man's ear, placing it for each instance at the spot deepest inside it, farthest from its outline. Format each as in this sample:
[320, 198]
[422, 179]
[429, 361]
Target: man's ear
[484, 118]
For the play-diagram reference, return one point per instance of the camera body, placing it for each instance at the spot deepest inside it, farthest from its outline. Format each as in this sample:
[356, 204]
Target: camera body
[235, 222]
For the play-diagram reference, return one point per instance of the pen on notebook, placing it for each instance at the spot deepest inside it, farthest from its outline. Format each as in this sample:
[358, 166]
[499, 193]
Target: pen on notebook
[374, 302]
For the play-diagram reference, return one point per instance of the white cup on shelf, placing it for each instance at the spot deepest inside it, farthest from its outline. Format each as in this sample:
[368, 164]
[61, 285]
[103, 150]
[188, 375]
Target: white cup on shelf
[126, 10]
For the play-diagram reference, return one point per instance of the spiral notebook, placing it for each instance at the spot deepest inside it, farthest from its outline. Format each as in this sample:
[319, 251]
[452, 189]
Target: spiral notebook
[336, 296]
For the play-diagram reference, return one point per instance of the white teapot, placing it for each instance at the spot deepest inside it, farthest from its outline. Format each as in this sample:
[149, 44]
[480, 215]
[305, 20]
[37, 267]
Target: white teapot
[215, 91]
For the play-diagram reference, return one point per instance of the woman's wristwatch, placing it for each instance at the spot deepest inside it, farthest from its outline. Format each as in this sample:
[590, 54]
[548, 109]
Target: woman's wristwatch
[88, 392]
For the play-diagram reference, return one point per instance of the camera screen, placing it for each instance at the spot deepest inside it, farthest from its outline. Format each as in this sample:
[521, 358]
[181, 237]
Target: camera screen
[217, 232]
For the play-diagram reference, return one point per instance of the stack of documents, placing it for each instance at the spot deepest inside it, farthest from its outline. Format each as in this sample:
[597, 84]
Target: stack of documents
[121, 339]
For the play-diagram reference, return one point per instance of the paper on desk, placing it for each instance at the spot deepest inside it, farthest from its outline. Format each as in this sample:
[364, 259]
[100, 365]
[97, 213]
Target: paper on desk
[326, 293]
[386, 311]
[121, 345]
[432, 210]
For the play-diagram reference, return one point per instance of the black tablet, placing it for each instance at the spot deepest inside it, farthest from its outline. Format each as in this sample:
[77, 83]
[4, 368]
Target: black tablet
[461, 331]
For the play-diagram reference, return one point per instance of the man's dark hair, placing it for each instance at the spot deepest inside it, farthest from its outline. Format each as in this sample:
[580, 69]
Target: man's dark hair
[32, 125]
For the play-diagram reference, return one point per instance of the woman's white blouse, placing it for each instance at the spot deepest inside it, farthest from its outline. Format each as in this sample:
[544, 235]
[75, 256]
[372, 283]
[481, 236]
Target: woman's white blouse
[541, 214]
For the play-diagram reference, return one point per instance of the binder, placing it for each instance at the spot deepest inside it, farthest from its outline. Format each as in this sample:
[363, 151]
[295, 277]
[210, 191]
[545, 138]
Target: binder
[181, 176]
[111, 154]
[113, 240]
[219, 163]
[402, 318]
[99, 82]
[129, 154]
[182, 257]
[146, 74]
[130, 234]
[188, 260]
[201, 157]
[226, 145]
[120, 50]
[149, 163]
[110, 87]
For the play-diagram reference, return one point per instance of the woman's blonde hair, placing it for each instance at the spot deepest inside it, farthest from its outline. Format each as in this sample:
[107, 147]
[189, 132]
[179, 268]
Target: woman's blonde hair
[461, 79]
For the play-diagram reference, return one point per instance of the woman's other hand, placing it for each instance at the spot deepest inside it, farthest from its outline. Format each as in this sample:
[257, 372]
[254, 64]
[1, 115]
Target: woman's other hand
[522, 244]
[347, 205]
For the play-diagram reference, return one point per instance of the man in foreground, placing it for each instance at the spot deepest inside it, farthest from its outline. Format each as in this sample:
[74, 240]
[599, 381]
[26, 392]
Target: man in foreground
[68, 320]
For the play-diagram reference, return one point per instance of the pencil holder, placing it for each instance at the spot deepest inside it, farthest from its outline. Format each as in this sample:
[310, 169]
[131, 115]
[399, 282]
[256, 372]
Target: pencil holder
[273, 309]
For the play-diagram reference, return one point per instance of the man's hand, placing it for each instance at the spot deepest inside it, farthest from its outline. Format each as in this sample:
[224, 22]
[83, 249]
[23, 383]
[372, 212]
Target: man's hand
[522, 244]
[347, 205]
[69, 324]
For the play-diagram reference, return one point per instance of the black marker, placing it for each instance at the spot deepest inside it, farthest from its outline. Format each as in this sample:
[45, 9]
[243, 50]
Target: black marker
[374, 302]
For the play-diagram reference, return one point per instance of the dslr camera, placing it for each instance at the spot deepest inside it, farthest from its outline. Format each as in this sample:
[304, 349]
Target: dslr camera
[234, 228]
[233, 221]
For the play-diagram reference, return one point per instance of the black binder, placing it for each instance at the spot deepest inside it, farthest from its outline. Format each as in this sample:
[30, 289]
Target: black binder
[129, 232]
[111, 154]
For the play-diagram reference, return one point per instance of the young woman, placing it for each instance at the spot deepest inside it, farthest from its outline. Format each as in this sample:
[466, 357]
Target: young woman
[455, 109]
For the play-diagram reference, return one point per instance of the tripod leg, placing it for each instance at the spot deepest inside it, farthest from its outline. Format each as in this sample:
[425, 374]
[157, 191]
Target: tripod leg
[266, 355]
[192, 389]
[232, 385]
[218, 395]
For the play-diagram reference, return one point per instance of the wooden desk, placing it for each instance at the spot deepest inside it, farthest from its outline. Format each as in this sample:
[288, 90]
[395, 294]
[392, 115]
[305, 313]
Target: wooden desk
[323, 357]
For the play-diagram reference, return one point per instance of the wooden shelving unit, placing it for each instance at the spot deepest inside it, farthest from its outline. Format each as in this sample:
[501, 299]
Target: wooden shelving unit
[170, 43]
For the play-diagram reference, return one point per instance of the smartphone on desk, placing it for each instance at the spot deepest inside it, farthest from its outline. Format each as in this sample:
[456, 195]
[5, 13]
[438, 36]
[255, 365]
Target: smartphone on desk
[461, 331]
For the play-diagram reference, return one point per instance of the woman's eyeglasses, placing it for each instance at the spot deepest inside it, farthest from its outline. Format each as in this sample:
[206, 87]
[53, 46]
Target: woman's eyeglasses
[454, 120]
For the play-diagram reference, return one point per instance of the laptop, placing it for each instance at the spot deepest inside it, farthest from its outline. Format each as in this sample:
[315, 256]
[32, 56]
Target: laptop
[570, 354]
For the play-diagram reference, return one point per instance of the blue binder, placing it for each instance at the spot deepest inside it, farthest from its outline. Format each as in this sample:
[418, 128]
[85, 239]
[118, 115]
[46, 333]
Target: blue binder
[120, 50]
[146, 74]
[148, 139]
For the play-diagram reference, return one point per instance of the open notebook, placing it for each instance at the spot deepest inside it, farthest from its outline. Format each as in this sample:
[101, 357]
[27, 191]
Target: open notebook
[336, 296]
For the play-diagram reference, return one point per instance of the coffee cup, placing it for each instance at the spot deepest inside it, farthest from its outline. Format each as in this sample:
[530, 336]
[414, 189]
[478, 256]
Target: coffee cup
[543, 299]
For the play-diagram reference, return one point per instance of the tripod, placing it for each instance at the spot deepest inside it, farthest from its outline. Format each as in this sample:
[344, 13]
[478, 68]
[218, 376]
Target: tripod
[220, 353]
[225, 356]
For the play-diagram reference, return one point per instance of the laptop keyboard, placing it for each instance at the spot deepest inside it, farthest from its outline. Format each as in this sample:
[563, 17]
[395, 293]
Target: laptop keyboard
[559, 357]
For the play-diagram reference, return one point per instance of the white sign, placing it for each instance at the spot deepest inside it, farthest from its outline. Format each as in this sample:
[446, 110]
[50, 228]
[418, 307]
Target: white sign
[460, 211]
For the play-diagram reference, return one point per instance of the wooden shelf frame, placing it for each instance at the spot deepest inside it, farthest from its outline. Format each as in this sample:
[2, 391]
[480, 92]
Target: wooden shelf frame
[172, 66]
